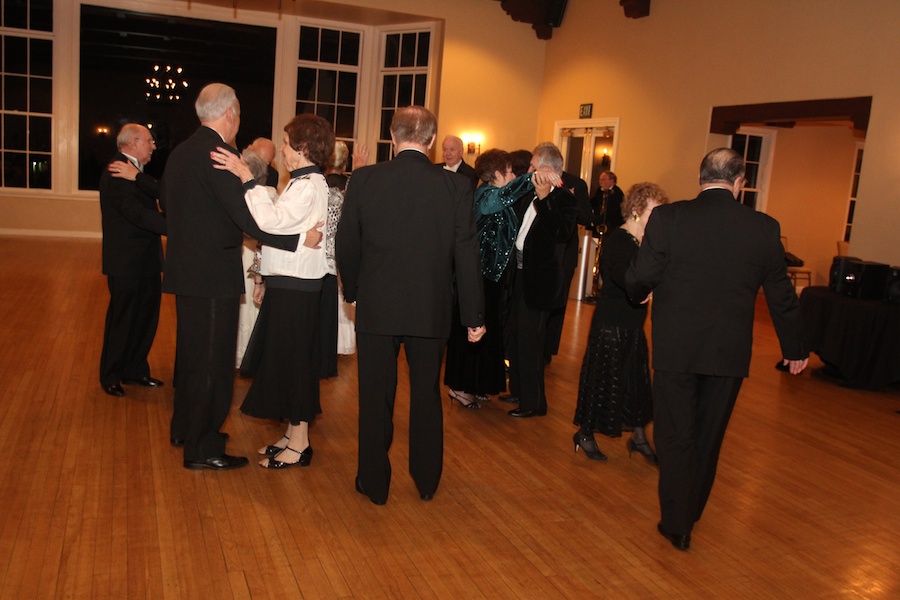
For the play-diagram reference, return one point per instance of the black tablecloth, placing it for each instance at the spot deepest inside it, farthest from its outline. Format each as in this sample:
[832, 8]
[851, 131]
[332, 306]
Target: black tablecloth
[858, 339]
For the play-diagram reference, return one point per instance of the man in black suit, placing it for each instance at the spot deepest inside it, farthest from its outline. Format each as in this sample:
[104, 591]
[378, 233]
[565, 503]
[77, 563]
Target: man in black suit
[705, 260]
[406, 230]
[452, 151]
[607, 208]
[132, 261]
[540, 284]
[206, 215]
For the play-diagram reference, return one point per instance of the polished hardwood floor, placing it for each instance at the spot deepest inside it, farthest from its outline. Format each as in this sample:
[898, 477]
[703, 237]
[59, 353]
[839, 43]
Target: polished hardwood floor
[94, 502]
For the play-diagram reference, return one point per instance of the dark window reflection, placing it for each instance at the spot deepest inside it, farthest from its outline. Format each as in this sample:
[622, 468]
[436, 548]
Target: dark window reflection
[41, 97]
[404, 90]
[118, 50]
[41, 15]
[14, 132]
[408, 50]
[392, 51]
[346, 93]
[304, 108]
[15, 93]
[389, 93]
[39, 134]
[331, 44]
[739, 143]
[422, 53]
[754, 147]
[15, 173]
[750, 199]
[326, 111]
[15, 55]
[41, 58]
[344, 121]
[421, 81]
[327, 87]
[350, 48]
[309, 43]
[306, 84]
[15, 14]
[384, 152]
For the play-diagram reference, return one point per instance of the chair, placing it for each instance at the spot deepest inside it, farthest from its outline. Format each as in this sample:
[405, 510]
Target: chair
[797, 274]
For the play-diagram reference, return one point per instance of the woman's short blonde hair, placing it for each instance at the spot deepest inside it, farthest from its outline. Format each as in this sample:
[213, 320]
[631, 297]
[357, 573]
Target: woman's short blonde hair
[639, 196]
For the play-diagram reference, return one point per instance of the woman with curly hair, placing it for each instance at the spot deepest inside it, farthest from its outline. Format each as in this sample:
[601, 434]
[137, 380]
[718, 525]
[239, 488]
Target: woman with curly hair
[614, 390]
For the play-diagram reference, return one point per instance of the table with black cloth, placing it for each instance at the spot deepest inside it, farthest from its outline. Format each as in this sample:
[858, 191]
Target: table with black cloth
[858, 340]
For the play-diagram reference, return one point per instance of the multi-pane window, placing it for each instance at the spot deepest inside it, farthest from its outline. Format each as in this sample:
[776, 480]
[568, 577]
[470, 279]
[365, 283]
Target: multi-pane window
[404, 79]
[857, 168]
[750, 147]
[328, 78]
[26, 100]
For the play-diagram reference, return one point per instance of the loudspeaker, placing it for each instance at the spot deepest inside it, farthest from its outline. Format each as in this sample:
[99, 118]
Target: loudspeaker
[837, 275]
[865, 279]
[892, 290]
[555, 11]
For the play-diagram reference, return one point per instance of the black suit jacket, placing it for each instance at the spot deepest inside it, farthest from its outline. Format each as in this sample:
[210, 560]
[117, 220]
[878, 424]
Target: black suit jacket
[467, 171]
[544, 266]
[132, 225]
[705, 261]
[206, 216]
[406, 229]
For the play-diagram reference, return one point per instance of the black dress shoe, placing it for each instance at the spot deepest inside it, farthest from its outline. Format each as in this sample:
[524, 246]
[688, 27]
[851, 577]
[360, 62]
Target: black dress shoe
[509, 398]
[525, 414]
[426, 497]
[176, 441]
[144, 381]
[359, 488]
[114, 390]
[217, 463]
[682, 541]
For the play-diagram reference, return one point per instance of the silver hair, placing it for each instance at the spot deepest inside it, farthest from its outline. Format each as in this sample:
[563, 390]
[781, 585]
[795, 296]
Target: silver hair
[128, 133]
[549, 156]
[258, 168]
[214, 101]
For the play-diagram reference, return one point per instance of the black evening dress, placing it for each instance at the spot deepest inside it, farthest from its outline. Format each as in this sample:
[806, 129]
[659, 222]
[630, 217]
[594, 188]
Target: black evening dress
[614, 389]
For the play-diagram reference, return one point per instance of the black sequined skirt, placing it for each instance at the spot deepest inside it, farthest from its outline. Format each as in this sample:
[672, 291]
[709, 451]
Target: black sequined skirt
[614, 390]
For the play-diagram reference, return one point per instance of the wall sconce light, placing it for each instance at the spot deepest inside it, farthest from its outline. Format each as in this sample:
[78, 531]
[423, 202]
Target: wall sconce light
[101, 131]
[472, 142]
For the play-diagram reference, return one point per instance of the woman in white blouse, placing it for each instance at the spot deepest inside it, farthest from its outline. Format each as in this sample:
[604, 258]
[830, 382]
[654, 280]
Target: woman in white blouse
[284, 352]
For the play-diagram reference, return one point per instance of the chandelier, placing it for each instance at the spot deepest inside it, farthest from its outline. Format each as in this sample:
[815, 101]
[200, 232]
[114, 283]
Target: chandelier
[165, 84]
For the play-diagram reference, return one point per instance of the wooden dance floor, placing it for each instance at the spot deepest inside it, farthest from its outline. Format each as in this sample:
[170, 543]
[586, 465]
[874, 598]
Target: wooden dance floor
[94, 502]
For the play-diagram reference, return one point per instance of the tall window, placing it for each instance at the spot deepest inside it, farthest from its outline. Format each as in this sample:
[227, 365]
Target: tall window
[404, 79]
[857, 168]
[750, 146]
[26, 105]
[328, 78]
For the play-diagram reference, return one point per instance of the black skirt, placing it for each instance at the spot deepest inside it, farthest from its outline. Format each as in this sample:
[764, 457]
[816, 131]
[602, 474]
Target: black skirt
[614, 390]
[284, 358]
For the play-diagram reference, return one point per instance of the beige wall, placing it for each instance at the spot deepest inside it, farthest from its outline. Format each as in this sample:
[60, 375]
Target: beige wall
[809, 192]
[663, 74]
[491, 77]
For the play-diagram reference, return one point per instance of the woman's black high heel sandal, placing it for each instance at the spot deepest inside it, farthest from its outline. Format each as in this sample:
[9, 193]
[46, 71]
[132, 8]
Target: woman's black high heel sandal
[588, 444]
[463, 401]
[643, 449]
[274, 449]
[303, 459]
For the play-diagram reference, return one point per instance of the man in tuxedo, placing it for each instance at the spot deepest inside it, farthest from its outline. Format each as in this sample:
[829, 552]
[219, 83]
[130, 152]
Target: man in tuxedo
[406, 230]
[452, 150]
[206, 215]
[132, 261]
[540, 284]
[607, 208]
[705, 260]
